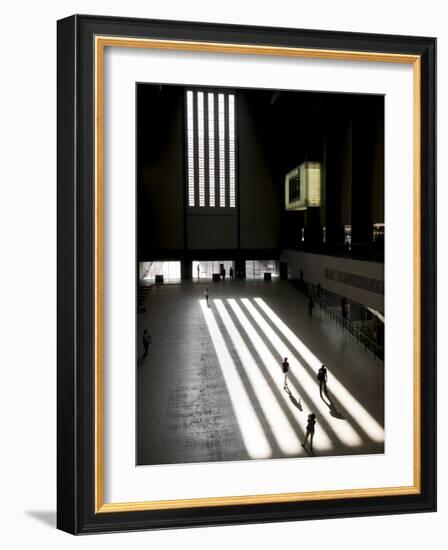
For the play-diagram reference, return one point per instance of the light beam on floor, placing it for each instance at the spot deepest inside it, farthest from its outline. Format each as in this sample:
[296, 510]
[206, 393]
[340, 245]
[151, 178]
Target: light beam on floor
[343, 430]
[281, 428]
[365, 420]
[321, 439]
[254, 438]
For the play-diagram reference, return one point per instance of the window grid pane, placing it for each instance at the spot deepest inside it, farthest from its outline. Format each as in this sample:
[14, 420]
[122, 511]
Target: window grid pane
[190, 144]
[232, 150]
[222, 175]
[211, 148]
[201, 148]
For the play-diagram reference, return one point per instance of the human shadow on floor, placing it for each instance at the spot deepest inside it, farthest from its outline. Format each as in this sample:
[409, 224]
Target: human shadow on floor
[293, 400]
[334, 411]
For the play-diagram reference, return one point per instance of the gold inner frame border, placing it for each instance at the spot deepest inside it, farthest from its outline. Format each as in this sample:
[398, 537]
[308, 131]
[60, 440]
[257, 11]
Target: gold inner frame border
[101, 42]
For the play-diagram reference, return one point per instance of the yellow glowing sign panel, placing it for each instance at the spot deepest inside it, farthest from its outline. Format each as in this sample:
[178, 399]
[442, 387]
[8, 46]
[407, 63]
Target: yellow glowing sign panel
[303, 186]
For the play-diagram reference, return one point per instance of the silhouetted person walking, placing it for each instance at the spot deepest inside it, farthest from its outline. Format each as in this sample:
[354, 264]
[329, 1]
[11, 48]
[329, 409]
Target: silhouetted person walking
[231, 272]
[322, 376]
[199, 270]
[285, 369]
[223, 273]
[310, 306]
[310, 430]
[146, 339]
[206, 296]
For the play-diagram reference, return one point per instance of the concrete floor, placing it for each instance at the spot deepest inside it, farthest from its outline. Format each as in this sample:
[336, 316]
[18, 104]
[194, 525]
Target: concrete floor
[211, 387]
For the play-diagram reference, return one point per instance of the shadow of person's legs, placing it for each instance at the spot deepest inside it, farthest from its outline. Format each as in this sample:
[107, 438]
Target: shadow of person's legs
[328, 403]
[334, 411]
[293, 400]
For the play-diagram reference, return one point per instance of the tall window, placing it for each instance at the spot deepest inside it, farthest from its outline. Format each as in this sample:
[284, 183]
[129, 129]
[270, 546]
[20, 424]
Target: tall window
[190, 148]
[211, 149]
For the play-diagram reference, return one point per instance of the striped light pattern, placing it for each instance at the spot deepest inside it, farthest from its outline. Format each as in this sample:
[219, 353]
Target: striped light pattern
[251, 341]
[365, 420]
[254, 438]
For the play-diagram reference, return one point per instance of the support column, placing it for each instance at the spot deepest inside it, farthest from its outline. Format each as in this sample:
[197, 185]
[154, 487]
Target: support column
[362, 181]
[333, 190]
[186, 268]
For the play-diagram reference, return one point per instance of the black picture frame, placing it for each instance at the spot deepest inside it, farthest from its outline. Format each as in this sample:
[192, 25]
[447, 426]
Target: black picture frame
[76, 404]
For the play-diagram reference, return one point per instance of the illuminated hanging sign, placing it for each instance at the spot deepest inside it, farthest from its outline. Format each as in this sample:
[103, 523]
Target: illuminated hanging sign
[303, 186]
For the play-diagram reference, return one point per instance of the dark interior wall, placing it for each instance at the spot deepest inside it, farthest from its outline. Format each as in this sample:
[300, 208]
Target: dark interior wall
[160, 169]
[377, 198]
[212, 231]
[299, 138]
[367, 167]
[163, 222]
[259, 191]
[276, 131]
[346, 134]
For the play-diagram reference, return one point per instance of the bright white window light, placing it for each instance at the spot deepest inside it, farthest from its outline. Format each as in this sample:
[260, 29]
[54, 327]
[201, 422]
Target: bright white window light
[231, 150]
[211, 148]
[222, 151]
[190, 147]
[201, 162]
[313, 171]
[365, 420]
[281, 428]
[343, 431]
[254, 438]
[321, 440]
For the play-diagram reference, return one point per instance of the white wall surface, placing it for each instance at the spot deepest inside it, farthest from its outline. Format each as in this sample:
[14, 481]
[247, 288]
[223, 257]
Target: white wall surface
[28, 272]
[314, 266]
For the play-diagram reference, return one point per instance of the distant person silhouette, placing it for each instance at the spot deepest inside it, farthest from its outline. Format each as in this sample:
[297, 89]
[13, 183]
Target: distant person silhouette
[310, 430]
[310, 306]
[146, 339]
[223, 273]
[199, 270]
[285, 369]
[322, 376]
[206, 296]
[231, 272]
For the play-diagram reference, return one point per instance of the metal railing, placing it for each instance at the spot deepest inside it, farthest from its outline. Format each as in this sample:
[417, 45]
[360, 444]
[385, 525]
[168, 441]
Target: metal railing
[333, 314]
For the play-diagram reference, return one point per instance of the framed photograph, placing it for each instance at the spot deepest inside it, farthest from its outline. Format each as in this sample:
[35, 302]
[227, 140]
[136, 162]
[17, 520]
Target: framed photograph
[246, 274]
